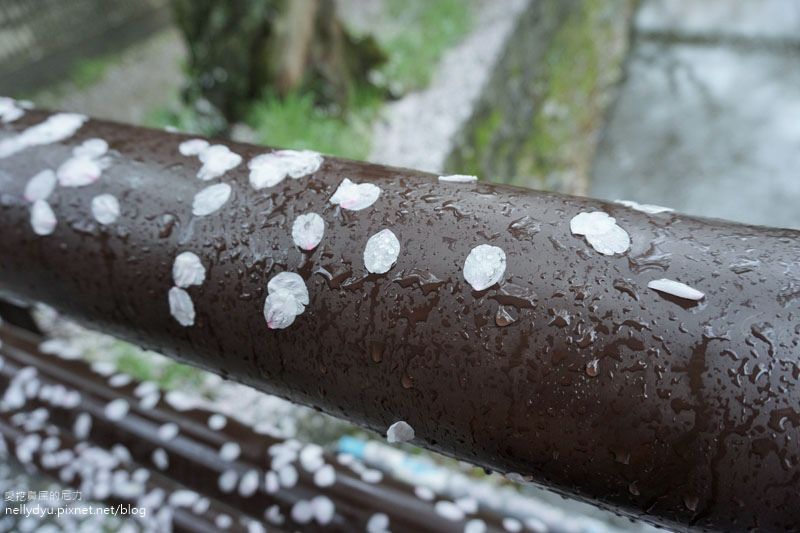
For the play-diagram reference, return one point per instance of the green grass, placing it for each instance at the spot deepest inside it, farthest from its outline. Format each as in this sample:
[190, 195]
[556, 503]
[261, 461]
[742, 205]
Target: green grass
[143, 366]
[87, 72]
[425, 29]
[294, 122]
[418, 33]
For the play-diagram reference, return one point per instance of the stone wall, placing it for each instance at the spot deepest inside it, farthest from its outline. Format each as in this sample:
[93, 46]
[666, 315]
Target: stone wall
[40, 41]
[537, 119]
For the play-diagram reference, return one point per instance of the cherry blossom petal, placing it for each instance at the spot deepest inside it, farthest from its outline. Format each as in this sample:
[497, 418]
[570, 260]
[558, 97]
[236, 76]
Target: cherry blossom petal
[40, 186]
[210, 199]
[307, 231]
[484, 266]
[355, 196]
[187, 270]
[105, 208]
[381, 252]
[43, 220]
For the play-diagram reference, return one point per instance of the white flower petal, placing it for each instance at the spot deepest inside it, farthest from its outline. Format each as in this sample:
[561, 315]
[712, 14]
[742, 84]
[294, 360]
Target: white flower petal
[458, 178]
[117, 409]
[210, 199]
[181, 306]
[40, 186]
[325, 476]
[43, 220]
[105, 208]
[676, 288]
[266, 176]
[268, 170]
[381, 252]
[484, 266]
[601, 232]
[79, 171]
[355, 196]
[378, 523]
[400, 431]
[323, 509]
[10, 110]
[280, 310]
[217, 160]
[91, 148]
[307, 231]
[614, 241]
[192, 147]
[187, 270]
[591, 223]
[650, 209]
[291, 283]
[55, 128]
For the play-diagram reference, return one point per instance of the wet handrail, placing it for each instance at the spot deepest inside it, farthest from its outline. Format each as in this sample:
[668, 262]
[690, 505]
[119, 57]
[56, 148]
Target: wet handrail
[630, 356]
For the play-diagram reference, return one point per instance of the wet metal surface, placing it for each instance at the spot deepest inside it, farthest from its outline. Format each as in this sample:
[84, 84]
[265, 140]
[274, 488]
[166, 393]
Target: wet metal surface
[569, 370]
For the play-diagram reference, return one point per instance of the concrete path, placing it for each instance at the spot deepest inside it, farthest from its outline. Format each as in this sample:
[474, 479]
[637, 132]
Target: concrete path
[708, 119]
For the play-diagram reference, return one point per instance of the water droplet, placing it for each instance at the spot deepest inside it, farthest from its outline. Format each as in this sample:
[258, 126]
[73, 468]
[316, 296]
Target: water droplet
[504, 317]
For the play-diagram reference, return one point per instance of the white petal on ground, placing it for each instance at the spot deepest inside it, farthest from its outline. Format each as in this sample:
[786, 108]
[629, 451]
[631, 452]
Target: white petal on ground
[650, 209]
[187, 270]
[381, 252]
[105, 208]
[325, 476]
[210, 199]
[117, 409]
[323, 509]
[448, 510]
[302, 512]
[484, 266]
[476, 525]
[192, 147]
[53, 129]
[168, 431]
[355, 196]
[181, 306]
[378, 523]
[458, 178]
[291, 283]
[43, 220]
[307, 231]
[400, 431]
[40, 186]
[217, 159]
[676, 288]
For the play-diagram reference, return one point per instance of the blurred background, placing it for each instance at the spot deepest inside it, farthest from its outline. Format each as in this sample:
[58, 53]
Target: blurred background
[687, 104]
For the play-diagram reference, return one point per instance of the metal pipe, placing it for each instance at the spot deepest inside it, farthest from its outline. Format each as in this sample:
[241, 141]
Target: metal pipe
[644, 361]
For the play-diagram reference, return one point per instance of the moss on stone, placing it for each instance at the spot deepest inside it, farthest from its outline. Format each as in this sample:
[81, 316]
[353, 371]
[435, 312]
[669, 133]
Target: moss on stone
[583, 64]
[547, 140]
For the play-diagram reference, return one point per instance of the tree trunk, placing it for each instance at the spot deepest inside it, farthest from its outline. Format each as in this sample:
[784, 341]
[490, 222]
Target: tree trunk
[240, 49]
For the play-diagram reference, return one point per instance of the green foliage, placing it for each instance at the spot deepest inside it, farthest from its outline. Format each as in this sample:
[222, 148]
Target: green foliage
[424, 29]
[582, 63]
[87, 72]
[295, 122]
[417, 33]
[145, 366]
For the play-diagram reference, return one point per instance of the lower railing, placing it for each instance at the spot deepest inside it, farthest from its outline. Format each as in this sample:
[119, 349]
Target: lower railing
[624, 354]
